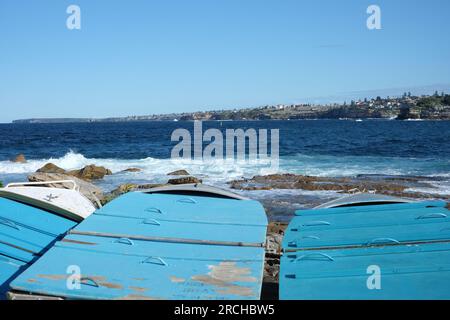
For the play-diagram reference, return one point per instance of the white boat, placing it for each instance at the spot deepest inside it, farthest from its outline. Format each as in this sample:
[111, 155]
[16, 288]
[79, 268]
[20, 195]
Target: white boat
[69, 203]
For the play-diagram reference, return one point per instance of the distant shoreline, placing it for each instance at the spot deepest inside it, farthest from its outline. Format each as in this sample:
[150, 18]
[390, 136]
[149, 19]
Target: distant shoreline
[407, 107]
[68, 121]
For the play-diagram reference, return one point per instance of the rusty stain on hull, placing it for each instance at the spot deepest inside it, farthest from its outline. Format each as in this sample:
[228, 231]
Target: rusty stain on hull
[223, 276]
[177, 280]
[33, 281]
[138, 289]
[139, 279]
[54, 277]
[79, 242]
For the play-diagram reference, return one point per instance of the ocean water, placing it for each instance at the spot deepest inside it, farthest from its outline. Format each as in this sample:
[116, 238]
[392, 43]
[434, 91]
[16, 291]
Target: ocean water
[314, 147]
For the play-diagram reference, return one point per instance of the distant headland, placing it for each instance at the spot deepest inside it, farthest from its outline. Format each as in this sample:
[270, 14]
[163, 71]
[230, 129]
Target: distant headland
[408, 106]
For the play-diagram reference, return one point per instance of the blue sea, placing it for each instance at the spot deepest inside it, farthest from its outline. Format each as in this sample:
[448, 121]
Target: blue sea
[310, 147]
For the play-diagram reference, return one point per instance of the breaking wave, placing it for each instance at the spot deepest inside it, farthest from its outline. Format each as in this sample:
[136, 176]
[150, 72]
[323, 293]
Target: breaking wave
[317, 165]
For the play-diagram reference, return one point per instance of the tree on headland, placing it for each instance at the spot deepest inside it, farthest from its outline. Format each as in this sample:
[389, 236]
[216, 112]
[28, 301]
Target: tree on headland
[430, 102]
[446, 100]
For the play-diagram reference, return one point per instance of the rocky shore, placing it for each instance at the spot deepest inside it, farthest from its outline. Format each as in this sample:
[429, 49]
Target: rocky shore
[388, 185]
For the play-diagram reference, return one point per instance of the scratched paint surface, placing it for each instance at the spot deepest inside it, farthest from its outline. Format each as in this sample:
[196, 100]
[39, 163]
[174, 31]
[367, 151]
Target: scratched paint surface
[117, 268]
[198, 273]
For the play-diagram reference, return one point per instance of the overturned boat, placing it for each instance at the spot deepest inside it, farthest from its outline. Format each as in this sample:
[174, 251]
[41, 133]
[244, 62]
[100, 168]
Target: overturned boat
[360, 199]
[367, 246]
[32, 218]
[181, 242]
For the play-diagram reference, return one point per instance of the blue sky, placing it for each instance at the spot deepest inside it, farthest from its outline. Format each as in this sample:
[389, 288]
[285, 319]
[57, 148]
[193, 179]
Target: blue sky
[142, 57]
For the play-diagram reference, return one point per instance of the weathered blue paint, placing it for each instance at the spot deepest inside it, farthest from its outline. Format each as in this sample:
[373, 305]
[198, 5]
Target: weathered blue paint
[370, 219]
[118, 267]
[425, 221]
[118, 270]
[406, 272]
[372, 208]
[181, 208]
[173, 229]
[25, 233]
[329, 255]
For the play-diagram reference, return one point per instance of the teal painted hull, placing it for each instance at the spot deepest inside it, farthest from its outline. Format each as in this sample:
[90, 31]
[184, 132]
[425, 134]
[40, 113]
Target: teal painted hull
[25, 234]
[396, 252]
[157, 246]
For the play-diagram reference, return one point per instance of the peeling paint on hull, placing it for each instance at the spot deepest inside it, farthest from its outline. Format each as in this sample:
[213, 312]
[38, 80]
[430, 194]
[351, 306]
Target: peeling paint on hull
[113, 266]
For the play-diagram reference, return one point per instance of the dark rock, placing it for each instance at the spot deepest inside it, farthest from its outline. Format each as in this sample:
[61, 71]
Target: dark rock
[179, 173]
[389, 185]
[90, 172]
[122, 189]
[132, 170]
[184, 180]
[150, 186]
[292, 181]
[273, 243]
[128, 187]
[276, 227]
[19, 159]
[51, 168]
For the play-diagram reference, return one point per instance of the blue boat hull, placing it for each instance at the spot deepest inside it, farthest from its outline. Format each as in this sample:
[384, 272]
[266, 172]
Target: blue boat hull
[398, 251]
[26, 233]
[157, 246]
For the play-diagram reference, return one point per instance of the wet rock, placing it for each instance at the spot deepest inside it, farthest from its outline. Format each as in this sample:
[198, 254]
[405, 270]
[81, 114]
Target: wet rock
[91, 172]
[274, 238]
[20, 158]
[273, 243]
[179, 173]
[87, 189]
[276, 227]
[132, 170]
[128, 187]
[51, 168]
[150, 186]
[122, 189]
[184, 180]
[390, 186]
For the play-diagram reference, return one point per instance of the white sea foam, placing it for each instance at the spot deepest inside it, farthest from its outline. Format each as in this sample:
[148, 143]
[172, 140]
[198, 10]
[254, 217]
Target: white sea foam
[441, 188]
[301, 164]
[218, 172]
[151, 167]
